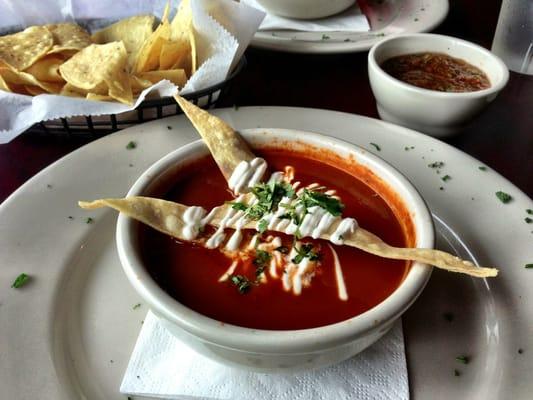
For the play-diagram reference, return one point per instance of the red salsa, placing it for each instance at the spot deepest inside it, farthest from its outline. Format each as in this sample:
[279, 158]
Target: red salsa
[437, 71]
[190, 273]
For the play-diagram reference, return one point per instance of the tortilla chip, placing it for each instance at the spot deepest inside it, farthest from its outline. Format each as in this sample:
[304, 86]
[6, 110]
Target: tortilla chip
[20, 50]
[175, 55]
[133, 31]
[176, 76]
[35, 90]
[227, 147]
[148, 56]
[138, 84]
[100, 69]
[72, 91]
[68, 37]
[98, 97]
[3, 84]
[12, 77]
[47, 69]
[180, 51]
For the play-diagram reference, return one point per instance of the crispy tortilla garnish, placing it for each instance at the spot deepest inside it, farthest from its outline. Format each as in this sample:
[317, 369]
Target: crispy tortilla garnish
[227, 146]
[164, 216]
[167, 217]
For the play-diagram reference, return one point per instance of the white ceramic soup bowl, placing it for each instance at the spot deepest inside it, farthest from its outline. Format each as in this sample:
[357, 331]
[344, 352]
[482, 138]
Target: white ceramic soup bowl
[436, 113]
[305, 9]
[269, 350]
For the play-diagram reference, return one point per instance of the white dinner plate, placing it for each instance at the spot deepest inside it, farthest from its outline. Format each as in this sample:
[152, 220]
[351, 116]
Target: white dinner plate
[69, 332]
[399, 16]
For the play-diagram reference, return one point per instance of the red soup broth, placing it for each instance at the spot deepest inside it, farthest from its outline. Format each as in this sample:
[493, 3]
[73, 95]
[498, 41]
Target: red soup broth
[190, 273]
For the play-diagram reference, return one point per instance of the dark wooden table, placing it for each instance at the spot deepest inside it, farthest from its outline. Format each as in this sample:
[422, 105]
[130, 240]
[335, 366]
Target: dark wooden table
[502, 137]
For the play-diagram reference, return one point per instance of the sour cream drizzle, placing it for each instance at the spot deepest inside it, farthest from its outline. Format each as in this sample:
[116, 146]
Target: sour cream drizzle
[247, 174]
[341, 286]
[316, 222]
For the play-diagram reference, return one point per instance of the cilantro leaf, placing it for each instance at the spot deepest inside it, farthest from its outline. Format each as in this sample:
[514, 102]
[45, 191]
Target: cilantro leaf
[20, 281]
[375, 146]
[243, 283]
[262, 226]
[463, 359]
[504, 197]
[327, 202]
[436, 164]
[238, 206]
[261, 260]
[305, 250]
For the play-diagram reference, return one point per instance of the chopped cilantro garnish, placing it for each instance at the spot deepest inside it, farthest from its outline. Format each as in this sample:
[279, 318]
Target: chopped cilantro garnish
[243, 283]
[238, 206]
[441, 188]
[456, 373]
[529, 211]
[436, 164]
[70, 217]
[169, 127]
[136, 306]
[347, 40]
[504, 197]
[21, 280]
[446, 178]
[282, 249]
[89, 220]
[269, 196]
[375, 146]
[463, 359]
[528, 220]
[482, 168]
[528, 266]
[325, 37]
[306, 250]
[131, 145]
[330, 204]
[262, 258]
[262, 225]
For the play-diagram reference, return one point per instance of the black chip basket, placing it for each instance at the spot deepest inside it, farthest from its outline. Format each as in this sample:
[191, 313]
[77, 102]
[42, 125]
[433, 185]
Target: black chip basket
[148, 110]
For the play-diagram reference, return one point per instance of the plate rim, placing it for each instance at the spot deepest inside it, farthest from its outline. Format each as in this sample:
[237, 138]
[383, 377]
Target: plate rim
[268, 40]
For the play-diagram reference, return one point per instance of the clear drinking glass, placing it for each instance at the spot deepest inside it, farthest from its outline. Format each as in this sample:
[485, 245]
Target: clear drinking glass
[513, 40]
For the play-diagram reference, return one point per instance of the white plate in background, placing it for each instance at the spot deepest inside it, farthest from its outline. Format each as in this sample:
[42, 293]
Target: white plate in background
[399, 16]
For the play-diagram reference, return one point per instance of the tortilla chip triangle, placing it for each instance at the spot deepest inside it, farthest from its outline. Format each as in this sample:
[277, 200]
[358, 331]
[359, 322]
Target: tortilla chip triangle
[227, 146]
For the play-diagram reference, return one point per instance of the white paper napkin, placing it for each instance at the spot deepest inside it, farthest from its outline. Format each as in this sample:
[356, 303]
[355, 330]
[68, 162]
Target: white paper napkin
[220, 46]
[351, 20]
[162, 367]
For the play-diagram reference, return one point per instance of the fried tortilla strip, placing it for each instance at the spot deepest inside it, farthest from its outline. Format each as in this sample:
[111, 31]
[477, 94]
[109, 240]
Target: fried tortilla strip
[167, 217]
[164, 216]
[227, 147]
